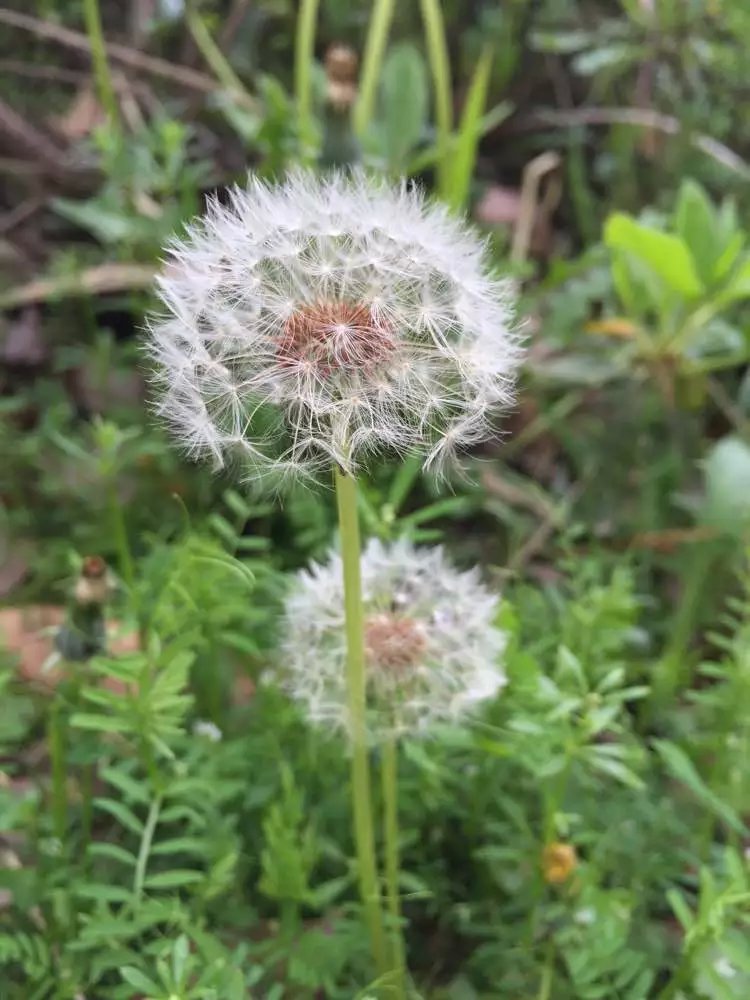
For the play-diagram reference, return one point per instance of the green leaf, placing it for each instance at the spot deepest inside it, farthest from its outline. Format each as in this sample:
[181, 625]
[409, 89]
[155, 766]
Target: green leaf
[121, 813]
[100, 723]
[682, 768]
[129, 787]
[737, 287]
[181, 845]
[403, 92]
[113, 852]
[464, 155]
[666, 255]
[727, 493]
[142, 983]
[695, 223]
[104, 893]
[174, 879]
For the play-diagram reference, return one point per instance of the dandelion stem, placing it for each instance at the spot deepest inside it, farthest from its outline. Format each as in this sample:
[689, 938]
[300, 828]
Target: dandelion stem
[389, 776]
[102, 72]
[377, 37]
[346, 495]
[213, 55]
[437, 54]
[304, 53]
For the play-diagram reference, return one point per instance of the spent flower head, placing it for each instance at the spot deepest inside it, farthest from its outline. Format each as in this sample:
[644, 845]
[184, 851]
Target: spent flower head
[432, 646]
[325, 320]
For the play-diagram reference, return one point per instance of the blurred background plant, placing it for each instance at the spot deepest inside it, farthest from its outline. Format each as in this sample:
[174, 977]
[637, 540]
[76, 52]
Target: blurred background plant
[168, 826]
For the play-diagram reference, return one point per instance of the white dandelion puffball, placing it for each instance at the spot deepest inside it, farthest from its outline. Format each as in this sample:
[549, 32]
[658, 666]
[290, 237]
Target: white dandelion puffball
[432, 646]
[325, 320]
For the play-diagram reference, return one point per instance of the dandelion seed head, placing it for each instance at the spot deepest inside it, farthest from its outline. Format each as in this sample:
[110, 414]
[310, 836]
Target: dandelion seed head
[326, 320]
[432, 648]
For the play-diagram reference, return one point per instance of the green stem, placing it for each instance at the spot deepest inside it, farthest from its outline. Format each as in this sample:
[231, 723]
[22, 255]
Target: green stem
[59, 802]
[346, 495]
[87, 805]
[389, 775]
[672, 672]
[304, 53]
[545, 984]
[372, 62]
[145, 849]
[102, 73]
[120, 532]
[125, 564]
[437, 53]
[213, 55]
[679, 979]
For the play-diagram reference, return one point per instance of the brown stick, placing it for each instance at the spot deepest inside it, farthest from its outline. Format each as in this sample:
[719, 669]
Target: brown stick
[190, 78]
[28, 139]
[638, 117]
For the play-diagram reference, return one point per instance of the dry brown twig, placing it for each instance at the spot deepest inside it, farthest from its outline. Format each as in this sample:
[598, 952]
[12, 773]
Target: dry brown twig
[638, 118]
[182, 75]
[100, 280]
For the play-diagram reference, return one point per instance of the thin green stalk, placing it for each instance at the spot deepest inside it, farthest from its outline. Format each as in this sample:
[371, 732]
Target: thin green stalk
[680, 977]
[304, 53]
[346, 495]
[463, 158]
[389, 776]
[102, 73]
[87, 803]
[437, 53]
[213, 55]
[372, 63]
[59, 800]
[120, 532]
[545, 984]
[145, 849]
[125, 562]
[672, 672]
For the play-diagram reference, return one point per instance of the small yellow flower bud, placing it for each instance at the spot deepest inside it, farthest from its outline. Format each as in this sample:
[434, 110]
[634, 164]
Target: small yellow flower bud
[559, 861]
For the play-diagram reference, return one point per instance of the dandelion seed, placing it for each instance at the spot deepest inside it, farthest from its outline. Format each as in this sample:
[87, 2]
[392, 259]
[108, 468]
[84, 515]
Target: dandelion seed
[326, 320]
[432, 648]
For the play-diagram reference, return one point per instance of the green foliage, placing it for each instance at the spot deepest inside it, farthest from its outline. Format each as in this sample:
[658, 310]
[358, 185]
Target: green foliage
[290, 851]
[171, 829]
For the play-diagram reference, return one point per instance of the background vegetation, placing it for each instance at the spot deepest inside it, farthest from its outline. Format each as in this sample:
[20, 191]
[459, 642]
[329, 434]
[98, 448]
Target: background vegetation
[170, 828]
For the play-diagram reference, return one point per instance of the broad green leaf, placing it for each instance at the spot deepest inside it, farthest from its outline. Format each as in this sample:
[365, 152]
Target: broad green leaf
[666, 255]
[403, 93]
[695, 223]
[141, 982]
[727, 486]
[737, 286]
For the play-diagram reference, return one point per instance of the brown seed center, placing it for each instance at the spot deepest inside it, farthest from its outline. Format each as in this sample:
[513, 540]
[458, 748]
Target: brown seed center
[335, 337]
[393, 645]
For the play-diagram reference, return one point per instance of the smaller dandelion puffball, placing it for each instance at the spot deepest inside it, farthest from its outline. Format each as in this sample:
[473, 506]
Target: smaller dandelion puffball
[432, 646]
[325, 320]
